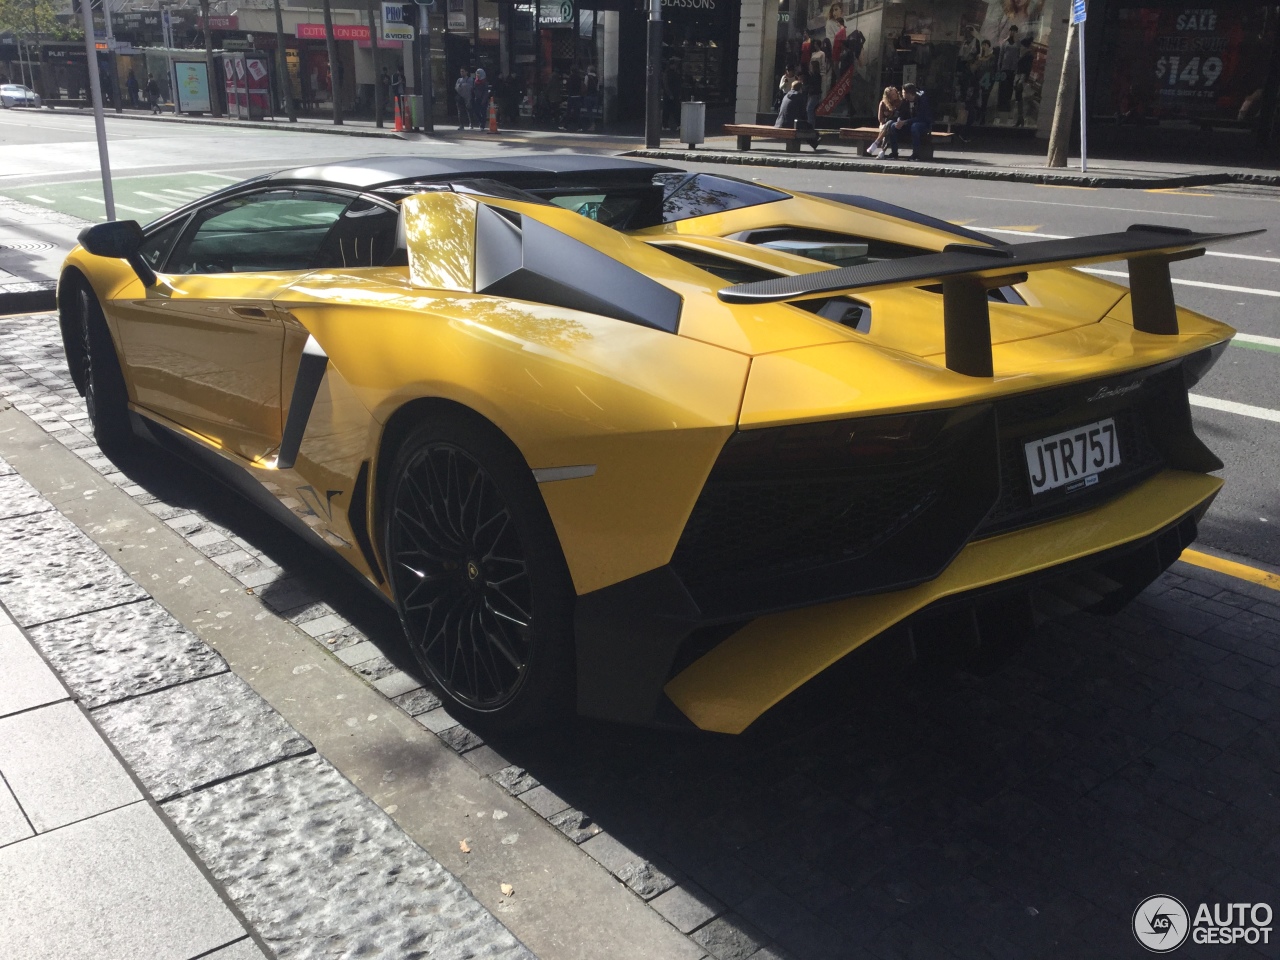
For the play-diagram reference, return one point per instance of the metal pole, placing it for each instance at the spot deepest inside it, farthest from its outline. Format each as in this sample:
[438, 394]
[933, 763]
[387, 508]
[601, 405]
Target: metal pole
[116, 99]
[1084, 108]
[424, 30]
[373, 47]
[282, 68]
[653, 79]
[99, 121]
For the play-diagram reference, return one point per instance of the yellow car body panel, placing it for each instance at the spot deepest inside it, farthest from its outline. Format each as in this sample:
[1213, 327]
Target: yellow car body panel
[728, 688]
[652, 427]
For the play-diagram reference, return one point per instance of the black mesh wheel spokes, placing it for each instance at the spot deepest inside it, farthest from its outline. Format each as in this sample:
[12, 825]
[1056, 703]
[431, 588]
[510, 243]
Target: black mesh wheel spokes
[85, 307]
[459, 571]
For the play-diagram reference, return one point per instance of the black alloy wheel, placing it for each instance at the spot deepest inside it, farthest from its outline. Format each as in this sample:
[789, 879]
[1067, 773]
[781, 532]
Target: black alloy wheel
[480, 586]
[97, 368]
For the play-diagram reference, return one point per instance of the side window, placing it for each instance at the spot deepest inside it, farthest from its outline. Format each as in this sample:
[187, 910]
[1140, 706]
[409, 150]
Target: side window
[364, 236]
[157, 244]
[272, 230]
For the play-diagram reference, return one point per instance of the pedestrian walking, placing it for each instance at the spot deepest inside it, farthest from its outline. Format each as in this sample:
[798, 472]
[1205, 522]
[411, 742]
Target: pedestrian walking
[573, 99]
[462, 89]
[1007, 65]
[385, 81]
[480, 98]
[153, 94]
[131, 86]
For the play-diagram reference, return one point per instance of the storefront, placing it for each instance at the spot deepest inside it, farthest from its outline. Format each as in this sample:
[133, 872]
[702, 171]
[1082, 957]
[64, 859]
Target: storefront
[982, 62]
[1208, 63]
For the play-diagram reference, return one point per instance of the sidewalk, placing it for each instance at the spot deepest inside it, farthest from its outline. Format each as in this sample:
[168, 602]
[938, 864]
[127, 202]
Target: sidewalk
[89, 866]
[980, 161]
[33, 243]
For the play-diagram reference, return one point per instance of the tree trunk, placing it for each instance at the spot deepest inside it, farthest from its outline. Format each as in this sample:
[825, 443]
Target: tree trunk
[215, 94]
[1064, 103]
[377, 81]
[335, 72]
[282, 68]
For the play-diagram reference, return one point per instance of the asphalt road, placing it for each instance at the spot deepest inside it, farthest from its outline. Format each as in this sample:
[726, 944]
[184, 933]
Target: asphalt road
[51, 160]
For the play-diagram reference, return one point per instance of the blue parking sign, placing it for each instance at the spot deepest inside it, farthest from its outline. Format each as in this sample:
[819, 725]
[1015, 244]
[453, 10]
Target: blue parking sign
[1077, 11]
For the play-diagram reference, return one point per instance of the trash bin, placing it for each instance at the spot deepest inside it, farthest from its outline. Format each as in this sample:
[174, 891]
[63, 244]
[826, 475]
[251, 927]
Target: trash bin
[693, 122]
[417, 117]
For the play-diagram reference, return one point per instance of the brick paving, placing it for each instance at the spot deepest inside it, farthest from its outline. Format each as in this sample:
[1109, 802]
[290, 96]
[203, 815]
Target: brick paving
[886, 810]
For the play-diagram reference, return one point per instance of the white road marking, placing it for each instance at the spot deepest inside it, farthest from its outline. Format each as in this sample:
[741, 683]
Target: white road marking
[1254, 338]
[125, 206]
[186, 192]
[1230, 406]
[220, 176]
[1094, 206]
[1059, 236]
[1188, 283]
[32, 196]
[90, 199]
[159, 199]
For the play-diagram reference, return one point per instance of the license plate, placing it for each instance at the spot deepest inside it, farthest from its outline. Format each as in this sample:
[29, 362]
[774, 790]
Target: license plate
[1072, 459]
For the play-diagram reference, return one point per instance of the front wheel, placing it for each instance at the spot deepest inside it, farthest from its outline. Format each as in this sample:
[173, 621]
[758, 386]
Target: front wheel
[105, 394]
[478, 576]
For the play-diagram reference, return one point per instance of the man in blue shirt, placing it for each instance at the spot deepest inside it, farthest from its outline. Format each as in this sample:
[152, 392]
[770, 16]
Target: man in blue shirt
[918, 121]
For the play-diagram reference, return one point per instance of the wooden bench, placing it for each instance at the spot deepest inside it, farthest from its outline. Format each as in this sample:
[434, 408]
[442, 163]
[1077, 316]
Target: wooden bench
[793, 138]
[863, 137]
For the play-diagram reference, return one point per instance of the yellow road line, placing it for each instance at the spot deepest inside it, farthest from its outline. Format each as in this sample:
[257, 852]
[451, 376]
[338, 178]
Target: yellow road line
[1064, 186]
[1232, 569]
[1180, 191]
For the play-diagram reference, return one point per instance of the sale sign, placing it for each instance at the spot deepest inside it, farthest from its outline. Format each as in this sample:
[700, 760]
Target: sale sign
[1187, 61]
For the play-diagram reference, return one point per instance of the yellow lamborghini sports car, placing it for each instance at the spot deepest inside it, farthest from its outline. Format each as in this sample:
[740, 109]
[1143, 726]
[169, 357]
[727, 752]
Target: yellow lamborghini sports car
[658, 445]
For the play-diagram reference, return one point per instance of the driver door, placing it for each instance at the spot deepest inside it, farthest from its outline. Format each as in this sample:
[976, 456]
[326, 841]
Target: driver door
[204, 345]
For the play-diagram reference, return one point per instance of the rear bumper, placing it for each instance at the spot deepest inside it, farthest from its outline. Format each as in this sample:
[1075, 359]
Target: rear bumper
[636, 637]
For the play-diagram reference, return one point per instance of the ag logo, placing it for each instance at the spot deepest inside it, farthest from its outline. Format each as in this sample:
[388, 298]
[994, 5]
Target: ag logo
[1161, 923]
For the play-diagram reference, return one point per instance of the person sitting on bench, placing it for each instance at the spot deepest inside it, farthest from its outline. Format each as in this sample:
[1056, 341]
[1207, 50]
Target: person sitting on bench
[793, 114]
[918, 121]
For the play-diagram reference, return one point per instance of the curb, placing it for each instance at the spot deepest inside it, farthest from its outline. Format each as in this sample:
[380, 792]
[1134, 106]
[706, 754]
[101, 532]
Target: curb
[923, 170]
[37, 297]
[285, 125]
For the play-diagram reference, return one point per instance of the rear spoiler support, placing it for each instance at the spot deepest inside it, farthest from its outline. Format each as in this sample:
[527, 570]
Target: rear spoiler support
[967, 272]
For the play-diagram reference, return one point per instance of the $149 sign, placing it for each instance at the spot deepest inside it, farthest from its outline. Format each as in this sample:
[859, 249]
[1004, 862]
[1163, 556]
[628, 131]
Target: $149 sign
[1178, 71]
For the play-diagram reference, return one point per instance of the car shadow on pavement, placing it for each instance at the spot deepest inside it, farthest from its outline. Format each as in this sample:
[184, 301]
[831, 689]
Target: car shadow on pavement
[889, 810]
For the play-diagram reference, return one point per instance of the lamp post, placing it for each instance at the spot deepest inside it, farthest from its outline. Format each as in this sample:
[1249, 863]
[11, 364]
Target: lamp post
[282, 68]
[653, 79]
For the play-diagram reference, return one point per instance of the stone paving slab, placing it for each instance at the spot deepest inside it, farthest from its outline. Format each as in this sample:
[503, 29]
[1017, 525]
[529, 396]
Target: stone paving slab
[244, 950]
[114, 887]
[295, 843]
[198, 733]
[14, 825]
[123, 652]
[66, 576]
[25, 680]
[18, 498]
[58, 768]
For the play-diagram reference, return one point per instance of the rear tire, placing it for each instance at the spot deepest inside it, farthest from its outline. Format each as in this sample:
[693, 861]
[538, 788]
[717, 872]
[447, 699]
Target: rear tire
[479, 580]
[105, 393]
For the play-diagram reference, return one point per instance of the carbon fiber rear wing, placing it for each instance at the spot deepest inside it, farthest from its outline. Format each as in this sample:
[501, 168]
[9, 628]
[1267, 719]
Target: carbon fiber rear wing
[967, 272]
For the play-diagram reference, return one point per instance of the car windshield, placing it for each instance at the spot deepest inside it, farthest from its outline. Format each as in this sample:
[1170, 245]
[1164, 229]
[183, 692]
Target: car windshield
[13, 88]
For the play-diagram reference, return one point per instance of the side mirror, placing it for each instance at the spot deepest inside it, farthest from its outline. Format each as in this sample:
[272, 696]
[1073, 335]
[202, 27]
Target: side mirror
[119, 240]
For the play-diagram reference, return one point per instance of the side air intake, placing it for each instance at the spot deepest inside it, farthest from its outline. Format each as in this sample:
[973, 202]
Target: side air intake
[519, 257]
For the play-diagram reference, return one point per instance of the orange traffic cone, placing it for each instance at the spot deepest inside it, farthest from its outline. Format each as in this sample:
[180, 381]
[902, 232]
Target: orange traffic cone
[493, 116]
[399, 119]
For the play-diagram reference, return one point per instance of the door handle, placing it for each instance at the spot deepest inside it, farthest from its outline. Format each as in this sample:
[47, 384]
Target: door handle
[250, 313]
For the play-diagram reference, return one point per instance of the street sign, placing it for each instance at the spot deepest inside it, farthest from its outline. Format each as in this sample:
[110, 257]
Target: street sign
[1078, 11]
[397, 31]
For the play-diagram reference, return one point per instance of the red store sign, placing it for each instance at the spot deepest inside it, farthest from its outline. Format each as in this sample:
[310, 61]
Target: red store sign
[341, 31]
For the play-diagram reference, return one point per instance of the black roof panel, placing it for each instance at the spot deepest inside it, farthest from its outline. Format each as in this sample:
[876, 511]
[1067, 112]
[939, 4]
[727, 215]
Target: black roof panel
[371, 172]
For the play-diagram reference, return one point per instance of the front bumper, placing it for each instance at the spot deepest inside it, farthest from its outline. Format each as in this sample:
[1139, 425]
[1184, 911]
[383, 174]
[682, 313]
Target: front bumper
[635, 637]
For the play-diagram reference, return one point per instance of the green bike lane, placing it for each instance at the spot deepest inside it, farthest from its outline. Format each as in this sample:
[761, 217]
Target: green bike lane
[141, 198]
